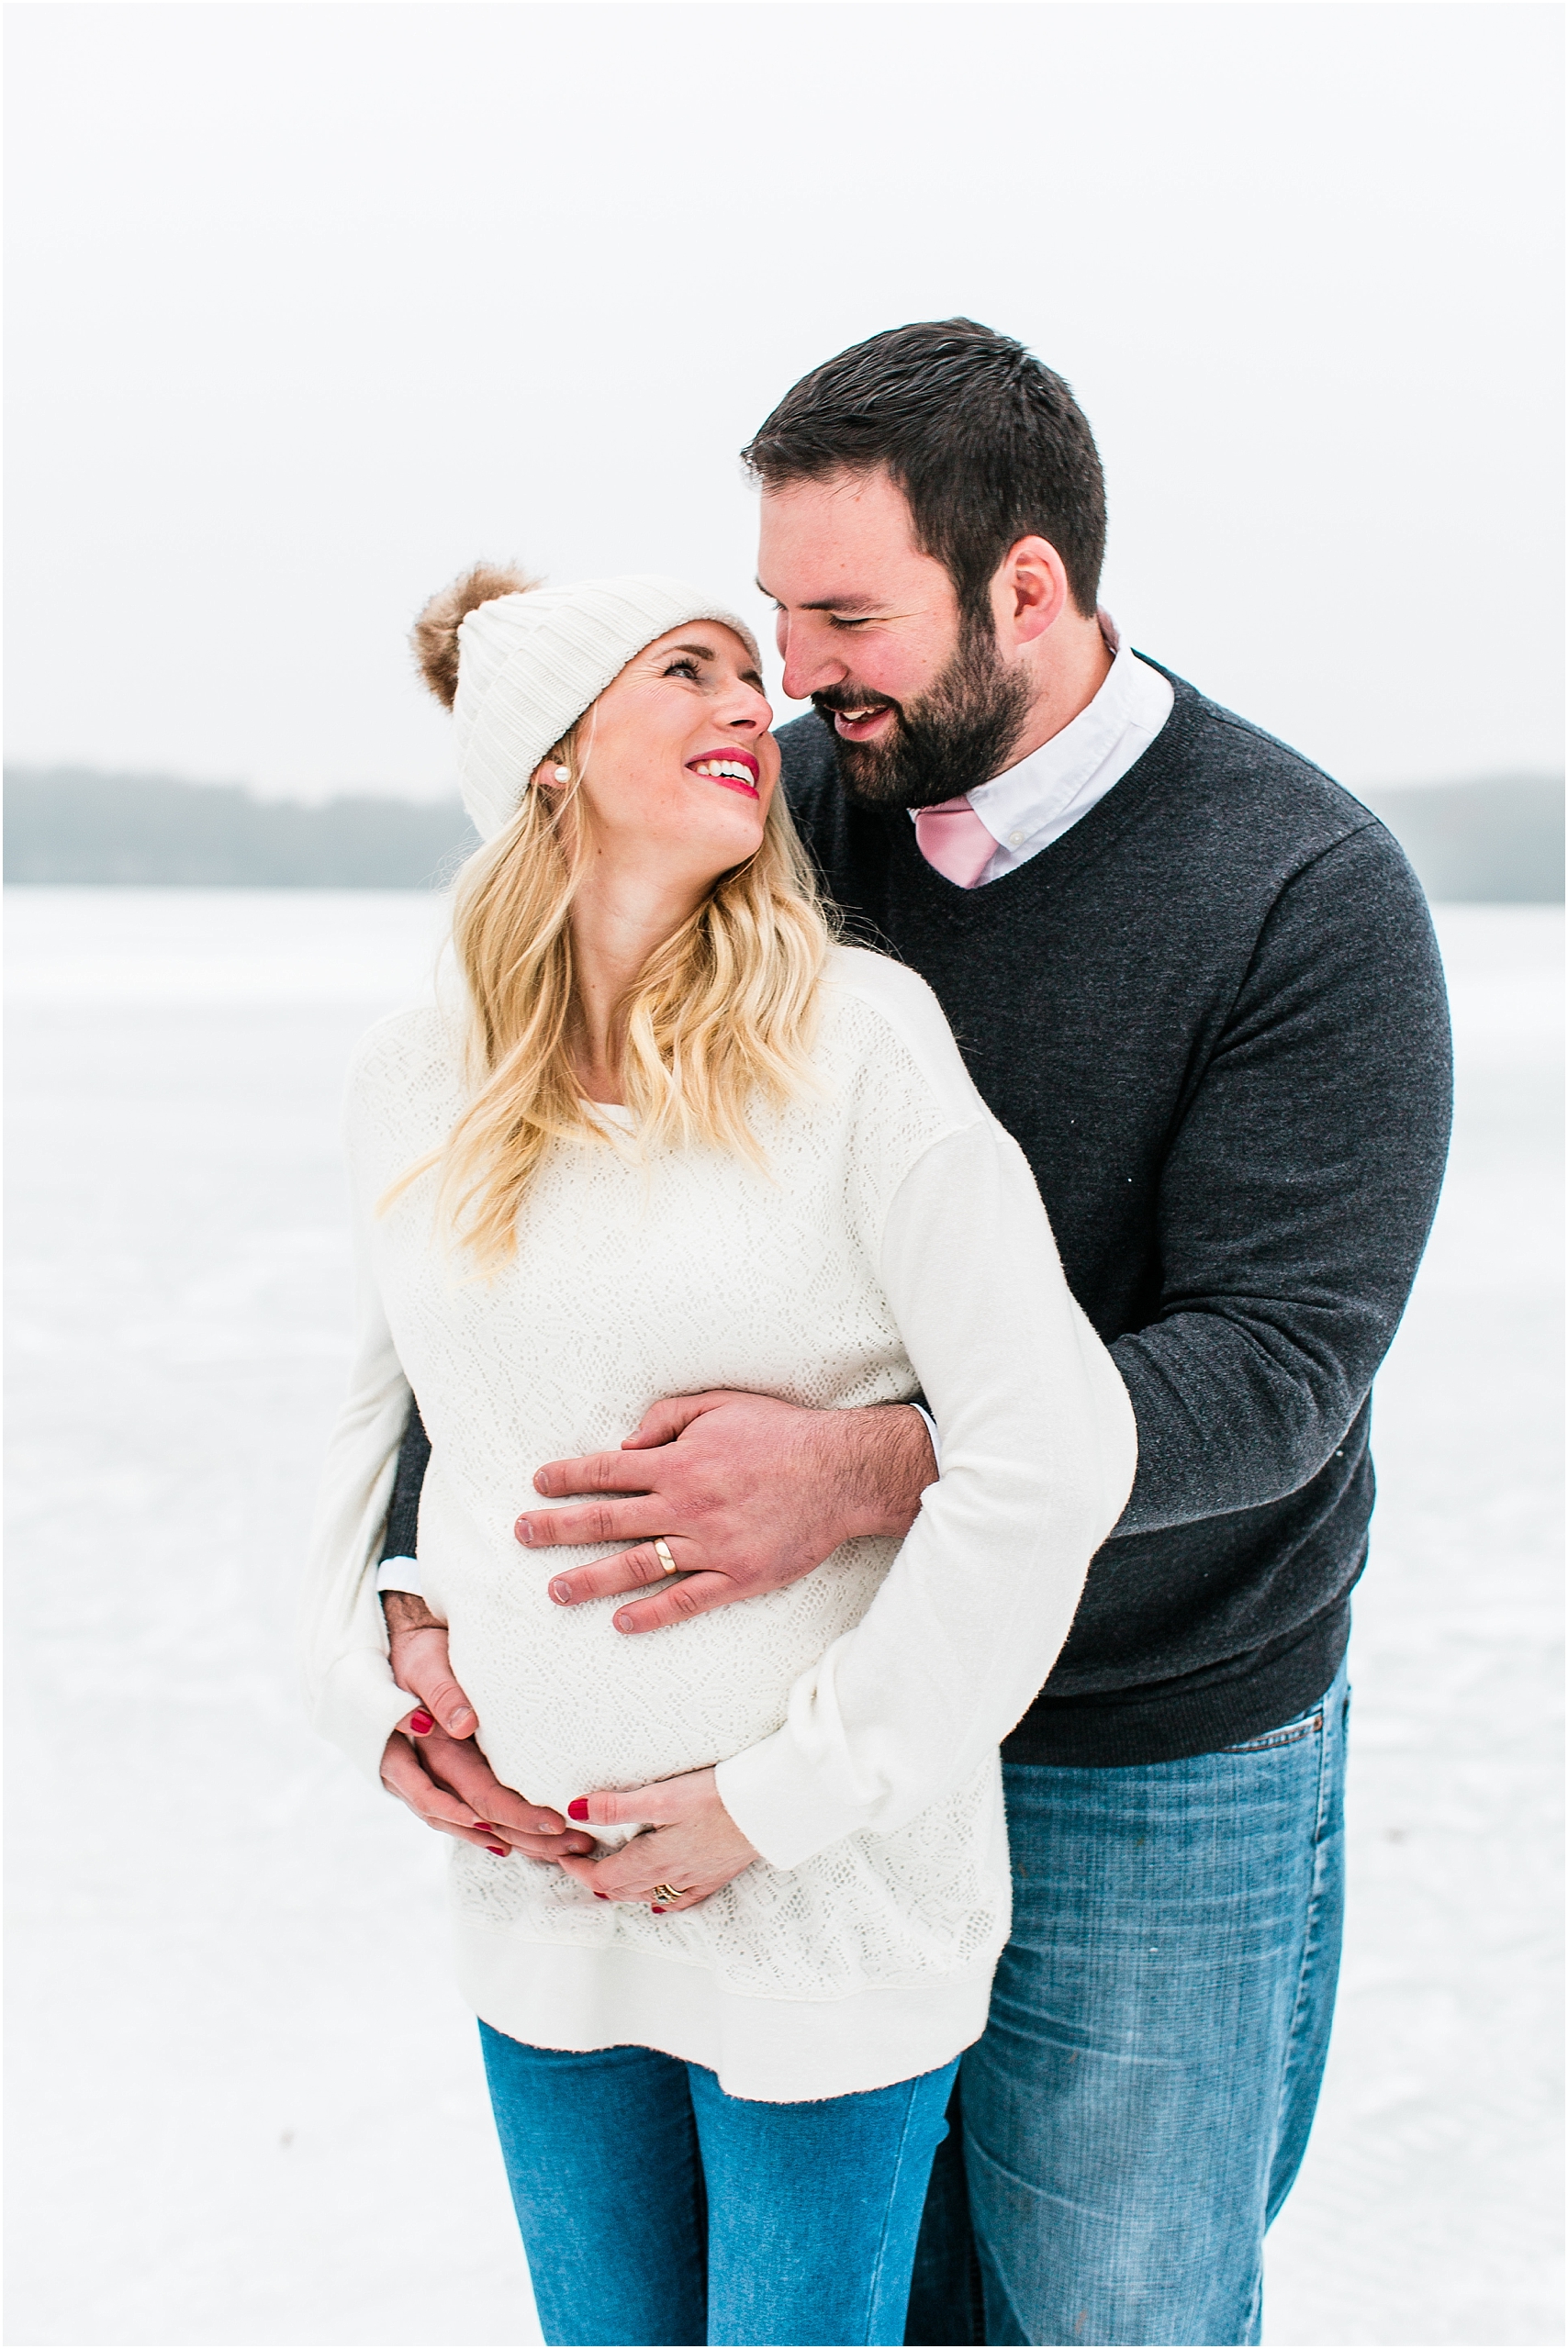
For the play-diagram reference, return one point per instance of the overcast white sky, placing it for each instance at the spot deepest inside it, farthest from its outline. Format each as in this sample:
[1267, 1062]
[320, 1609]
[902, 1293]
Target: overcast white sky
[310, 305]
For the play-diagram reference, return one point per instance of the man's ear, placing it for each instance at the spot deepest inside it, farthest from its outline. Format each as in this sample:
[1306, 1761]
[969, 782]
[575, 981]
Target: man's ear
[1029, 592]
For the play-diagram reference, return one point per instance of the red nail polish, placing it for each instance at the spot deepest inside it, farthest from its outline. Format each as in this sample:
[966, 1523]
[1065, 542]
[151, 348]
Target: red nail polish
[488, 1825]
[657, 1910]
[499, 1849]
[577, 1806]
[601, 1895]
[421, 1723]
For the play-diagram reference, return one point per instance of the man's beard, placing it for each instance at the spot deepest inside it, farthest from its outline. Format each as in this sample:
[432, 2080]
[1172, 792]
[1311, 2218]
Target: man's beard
[953, 739]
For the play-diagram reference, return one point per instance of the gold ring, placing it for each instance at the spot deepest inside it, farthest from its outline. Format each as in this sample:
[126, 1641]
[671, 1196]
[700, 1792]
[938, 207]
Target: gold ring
[662, 1548]
[667, 1893]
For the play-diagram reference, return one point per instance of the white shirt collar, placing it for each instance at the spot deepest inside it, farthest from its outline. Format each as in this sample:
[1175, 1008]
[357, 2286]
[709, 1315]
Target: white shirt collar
[1134, 702]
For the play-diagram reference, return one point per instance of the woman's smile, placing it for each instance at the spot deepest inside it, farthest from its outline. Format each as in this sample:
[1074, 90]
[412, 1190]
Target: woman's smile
[738, 770]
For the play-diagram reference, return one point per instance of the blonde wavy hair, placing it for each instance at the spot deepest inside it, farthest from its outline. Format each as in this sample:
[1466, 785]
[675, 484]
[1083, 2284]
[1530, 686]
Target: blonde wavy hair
[723, 1011]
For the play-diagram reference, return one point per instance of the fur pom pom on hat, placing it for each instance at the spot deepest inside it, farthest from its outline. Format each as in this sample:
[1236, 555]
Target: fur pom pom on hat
[517, 665]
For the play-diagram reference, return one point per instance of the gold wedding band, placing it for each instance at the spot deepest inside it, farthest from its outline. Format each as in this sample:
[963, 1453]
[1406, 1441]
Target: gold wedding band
[665, 1561]
[667, 1893]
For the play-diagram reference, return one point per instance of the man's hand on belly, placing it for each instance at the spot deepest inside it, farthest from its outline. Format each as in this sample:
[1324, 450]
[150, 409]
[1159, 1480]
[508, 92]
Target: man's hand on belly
[692, 1850]
[747, 1493]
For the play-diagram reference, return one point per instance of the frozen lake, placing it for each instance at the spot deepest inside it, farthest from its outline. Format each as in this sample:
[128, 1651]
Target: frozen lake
[245, 2104]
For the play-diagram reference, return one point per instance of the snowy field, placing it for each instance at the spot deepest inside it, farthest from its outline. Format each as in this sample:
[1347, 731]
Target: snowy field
[245, 2106]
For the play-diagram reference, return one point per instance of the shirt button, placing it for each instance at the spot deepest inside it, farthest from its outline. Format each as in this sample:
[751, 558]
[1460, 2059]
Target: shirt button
[1015, 839]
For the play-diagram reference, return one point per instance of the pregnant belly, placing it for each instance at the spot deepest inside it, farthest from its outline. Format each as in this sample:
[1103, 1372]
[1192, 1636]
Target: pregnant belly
[567, 1705]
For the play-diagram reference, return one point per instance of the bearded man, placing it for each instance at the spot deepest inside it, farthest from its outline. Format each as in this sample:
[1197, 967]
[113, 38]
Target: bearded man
[1198, 982]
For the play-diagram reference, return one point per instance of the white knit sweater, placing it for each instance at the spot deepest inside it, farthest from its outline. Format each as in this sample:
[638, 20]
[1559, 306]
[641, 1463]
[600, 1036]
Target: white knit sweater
[896, 1242]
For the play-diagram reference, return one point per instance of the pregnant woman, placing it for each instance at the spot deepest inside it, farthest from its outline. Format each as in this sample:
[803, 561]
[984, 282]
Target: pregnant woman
[670, 1136]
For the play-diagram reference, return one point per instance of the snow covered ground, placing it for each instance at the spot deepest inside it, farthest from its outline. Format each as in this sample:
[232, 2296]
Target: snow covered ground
[245, 2106]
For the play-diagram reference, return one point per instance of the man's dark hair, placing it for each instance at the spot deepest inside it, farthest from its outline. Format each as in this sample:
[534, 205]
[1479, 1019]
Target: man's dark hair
[987, 445]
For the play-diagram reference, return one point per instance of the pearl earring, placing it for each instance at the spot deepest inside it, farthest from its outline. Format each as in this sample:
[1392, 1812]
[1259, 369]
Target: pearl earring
[563, 774]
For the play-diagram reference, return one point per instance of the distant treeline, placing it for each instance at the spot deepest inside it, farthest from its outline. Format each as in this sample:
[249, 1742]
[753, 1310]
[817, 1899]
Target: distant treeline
[71, 823]
[1498, 839]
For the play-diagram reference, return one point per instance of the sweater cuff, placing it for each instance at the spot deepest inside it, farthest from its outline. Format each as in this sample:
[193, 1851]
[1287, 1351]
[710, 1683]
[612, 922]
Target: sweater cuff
[931, 1431]
[781, 1805]
[359, 1707]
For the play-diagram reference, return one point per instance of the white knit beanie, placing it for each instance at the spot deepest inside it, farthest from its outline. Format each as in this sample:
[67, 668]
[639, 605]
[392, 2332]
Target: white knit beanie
[529, 665]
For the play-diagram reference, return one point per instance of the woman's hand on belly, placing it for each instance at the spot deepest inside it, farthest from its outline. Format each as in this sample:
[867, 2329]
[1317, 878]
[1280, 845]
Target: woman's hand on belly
[447, 1783]
[692, 1846]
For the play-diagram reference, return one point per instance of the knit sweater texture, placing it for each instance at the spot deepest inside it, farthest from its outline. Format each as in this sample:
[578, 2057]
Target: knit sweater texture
[894, 1239]
[1213, 1016]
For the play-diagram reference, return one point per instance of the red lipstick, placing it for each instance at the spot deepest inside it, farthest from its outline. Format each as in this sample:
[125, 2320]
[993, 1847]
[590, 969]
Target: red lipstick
[730, 757]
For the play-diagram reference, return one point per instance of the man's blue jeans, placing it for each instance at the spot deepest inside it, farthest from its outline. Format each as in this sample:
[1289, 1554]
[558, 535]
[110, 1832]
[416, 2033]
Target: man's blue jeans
[655, 2207]
[1139, 2106]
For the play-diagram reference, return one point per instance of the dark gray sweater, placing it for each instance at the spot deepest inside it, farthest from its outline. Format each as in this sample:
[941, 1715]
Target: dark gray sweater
[1212, 1015]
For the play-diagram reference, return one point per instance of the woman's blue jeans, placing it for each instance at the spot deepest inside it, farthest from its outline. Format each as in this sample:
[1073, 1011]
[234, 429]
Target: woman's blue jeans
[655, 2207]
[1139, 2105]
